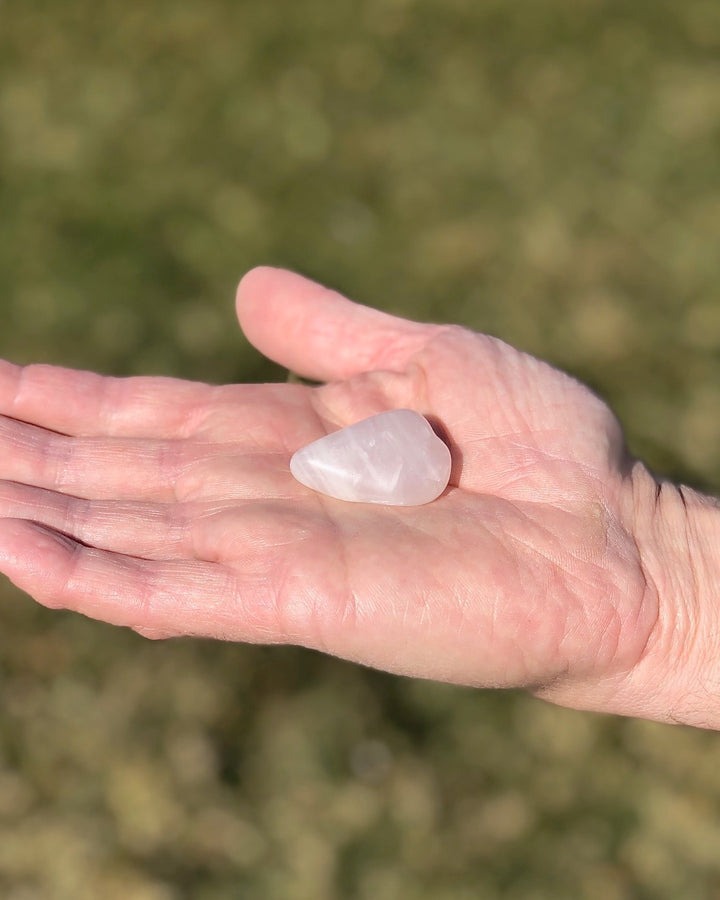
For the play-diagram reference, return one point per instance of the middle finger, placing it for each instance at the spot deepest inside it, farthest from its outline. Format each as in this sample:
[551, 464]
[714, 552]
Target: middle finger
[94, 467]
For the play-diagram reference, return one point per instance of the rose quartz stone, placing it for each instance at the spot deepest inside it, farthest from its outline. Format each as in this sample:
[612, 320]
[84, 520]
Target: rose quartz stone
[394, 458]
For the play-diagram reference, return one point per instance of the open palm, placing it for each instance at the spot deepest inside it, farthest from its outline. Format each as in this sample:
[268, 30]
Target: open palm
[169, 506]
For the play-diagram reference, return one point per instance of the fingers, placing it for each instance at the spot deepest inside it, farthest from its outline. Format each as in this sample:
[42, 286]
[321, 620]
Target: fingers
[166, 597]
[317, 332]
[148, 530]
[216, 498]
[84, 403]
[91, 467]
[129, 469]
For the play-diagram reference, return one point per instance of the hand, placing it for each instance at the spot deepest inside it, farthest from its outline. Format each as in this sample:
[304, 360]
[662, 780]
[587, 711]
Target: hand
[169, 507]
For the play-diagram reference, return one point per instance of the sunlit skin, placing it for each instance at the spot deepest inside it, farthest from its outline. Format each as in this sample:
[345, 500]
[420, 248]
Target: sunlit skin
[168, 507]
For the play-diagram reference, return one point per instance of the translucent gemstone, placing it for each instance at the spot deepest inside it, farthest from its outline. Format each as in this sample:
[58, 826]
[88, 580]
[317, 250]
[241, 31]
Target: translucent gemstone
[394, 458]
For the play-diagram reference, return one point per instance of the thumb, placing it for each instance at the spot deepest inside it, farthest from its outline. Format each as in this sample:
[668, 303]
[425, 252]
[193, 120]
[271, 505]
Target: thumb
[318, 333]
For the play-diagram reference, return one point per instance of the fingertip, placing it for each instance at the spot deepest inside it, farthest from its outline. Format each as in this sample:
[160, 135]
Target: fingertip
[22, 540]
[29, 553]
[255, 301]
[281, 313]
[258, 287]
[253, 283]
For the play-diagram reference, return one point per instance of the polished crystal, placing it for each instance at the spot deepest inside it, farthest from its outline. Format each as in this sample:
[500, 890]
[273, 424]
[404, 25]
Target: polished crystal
[394, 458]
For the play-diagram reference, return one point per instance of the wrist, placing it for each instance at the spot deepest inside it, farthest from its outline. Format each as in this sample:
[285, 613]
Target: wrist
[677, 532]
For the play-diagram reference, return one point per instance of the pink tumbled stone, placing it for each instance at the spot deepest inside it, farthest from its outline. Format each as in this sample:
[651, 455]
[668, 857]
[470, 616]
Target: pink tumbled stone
[393, 458]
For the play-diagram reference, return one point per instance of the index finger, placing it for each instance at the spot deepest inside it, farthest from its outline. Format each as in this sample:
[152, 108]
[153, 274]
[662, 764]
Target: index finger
[83, 403]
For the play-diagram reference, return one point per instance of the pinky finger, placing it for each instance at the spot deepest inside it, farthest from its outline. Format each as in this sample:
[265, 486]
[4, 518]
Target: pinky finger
[156, 598]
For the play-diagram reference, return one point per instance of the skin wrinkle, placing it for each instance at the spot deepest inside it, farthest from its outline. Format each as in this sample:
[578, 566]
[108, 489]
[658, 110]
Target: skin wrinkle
[447, 541]
[105, 414]
[392, 347]
[195, 421]
[415, 527]
[548, 579]
[147, 403]
[349, 593]
[20, 383]
[412, 375]
[555, 561]
[238, 479]
[409, 602]
[533, 450]
[180, 523]
[145, 606]
[650, 589]
[173, 458]
[57, 454]
[273, 433]
[323, 628]
[190, 482]
[74, 512]
[281, 606]
[662, 635]
[72, 564]
[196, 526]
[688, 545]
[180, 460]
[637, 586]
[60, 461]
[23, 439]
[425, 617]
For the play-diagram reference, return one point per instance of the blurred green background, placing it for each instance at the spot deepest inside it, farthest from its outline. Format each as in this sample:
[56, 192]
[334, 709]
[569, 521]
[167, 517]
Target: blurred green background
[546, 170]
